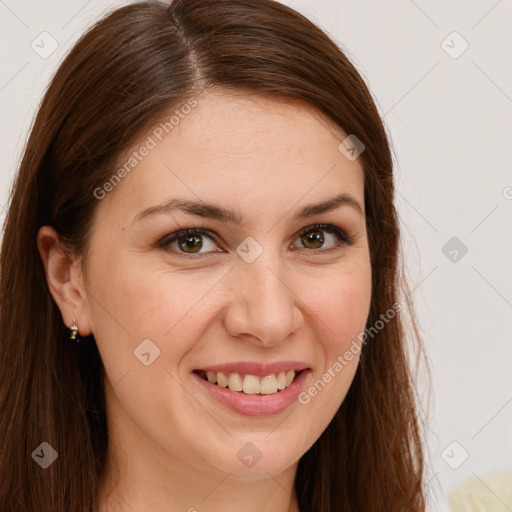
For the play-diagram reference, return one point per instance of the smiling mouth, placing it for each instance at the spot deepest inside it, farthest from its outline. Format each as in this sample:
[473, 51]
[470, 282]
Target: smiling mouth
[250, 384]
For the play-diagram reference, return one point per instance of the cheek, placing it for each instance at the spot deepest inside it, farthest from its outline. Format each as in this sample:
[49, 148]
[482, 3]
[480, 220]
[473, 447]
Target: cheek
[339, 308]
[341, 304]
[134, 301]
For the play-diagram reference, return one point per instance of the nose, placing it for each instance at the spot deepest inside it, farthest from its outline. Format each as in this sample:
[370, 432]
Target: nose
[263, 306]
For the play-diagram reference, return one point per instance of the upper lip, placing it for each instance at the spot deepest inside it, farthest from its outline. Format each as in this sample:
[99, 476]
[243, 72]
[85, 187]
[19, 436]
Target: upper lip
[253, 368]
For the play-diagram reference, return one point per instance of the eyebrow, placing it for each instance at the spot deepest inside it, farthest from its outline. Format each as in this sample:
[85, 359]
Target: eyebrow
[209, 210]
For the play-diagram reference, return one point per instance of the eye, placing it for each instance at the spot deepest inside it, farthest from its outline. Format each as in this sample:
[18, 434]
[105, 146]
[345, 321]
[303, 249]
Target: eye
[315, 237]
[190, 241]
[197, 241]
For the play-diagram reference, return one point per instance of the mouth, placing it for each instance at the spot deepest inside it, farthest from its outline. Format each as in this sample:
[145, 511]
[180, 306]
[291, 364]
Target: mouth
[249, 384]
[253, 389]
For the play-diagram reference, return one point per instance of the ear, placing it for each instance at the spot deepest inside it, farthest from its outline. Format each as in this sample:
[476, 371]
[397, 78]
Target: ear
[65, 280]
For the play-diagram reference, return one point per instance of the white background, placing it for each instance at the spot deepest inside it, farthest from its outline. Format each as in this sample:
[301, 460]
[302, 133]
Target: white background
[450, 123]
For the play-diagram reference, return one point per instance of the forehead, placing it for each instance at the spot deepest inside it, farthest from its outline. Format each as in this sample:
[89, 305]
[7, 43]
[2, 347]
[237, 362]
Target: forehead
[228, 126]
[237, 147]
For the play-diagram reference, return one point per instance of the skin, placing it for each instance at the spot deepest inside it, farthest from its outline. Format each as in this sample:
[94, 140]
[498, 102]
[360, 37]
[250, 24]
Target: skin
[172, 447]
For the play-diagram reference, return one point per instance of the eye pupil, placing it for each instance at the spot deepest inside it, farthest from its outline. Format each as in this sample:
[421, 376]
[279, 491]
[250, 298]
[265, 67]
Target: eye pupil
[189, 242]
[315, 238]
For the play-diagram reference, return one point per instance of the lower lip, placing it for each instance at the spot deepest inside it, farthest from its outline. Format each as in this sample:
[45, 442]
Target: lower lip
[256, 405]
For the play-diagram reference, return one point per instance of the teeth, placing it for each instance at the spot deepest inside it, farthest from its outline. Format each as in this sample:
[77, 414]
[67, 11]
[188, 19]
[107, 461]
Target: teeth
[281, 380]
[235, 382]
[222, 380]
[251, 384]
[269, 385]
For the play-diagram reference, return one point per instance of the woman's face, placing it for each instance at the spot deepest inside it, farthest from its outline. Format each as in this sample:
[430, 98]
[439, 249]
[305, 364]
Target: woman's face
[249, 300]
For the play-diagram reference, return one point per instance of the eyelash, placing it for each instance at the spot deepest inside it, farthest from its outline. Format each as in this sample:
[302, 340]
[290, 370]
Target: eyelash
[344, 239]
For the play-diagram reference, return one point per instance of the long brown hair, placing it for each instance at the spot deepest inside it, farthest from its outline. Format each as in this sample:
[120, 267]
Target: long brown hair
[134, 65]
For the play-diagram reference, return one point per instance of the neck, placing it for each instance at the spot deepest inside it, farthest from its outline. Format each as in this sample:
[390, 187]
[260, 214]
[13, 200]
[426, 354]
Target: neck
[143, 477]
[138, 490]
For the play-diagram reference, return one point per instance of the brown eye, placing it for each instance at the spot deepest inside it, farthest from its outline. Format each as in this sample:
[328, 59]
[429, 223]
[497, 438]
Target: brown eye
[190, 243]
[323, 238]
[313, 239]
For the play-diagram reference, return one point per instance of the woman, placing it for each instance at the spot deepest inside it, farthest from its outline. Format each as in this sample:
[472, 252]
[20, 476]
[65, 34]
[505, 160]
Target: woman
[200, 277]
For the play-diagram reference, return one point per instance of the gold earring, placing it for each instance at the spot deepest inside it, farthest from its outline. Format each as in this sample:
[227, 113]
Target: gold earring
[74, 330]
